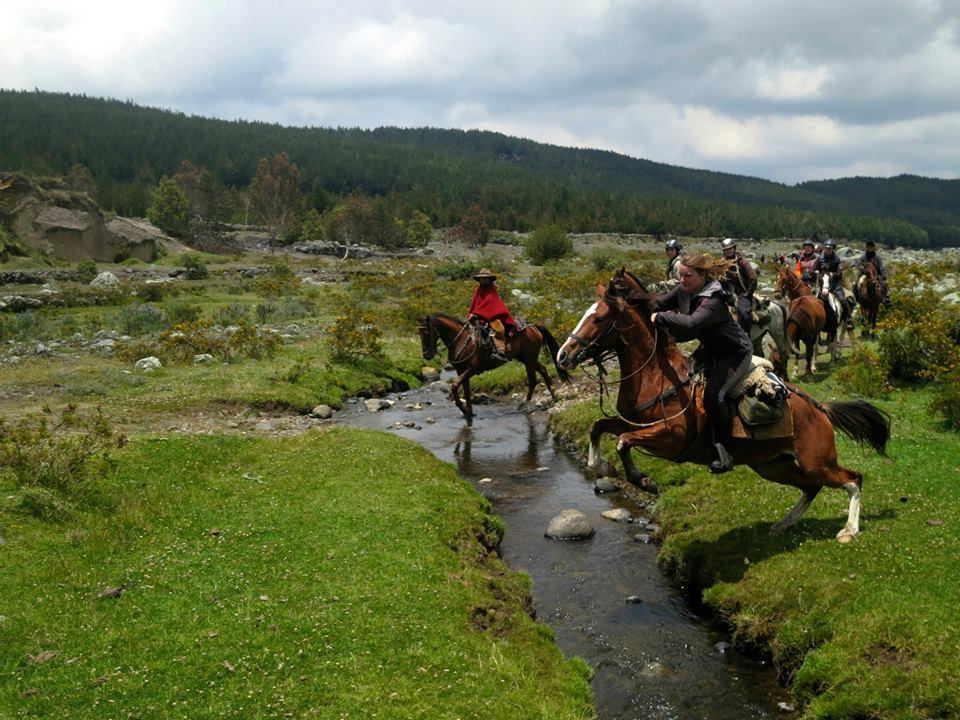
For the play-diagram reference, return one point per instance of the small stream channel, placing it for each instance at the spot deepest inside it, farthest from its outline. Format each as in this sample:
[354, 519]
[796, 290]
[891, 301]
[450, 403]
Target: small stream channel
[654, 659]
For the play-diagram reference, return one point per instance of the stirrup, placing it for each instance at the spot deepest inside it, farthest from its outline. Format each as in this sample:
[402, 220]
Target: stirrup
[724, 461]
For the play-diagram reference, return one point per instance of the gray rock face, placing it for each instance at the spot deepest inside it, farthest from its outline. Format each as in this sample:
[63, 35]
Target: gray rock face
[105, 279]
[18, 303]
[429, 374]
[148, 364]
[323, 412]
[570, 524]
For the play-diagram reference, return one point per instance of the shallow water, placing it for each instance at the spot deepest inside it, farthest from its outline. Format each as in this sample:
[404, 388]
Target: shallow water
[654, 658]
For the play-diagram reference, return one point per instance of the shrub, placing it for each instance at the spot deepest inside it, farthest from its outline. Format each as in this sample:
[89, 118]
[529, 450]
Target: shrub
[919, 337]
[155, 292]
[418, 230]
[354, 336]
[232, 314]
[606, 257]
[61, 454]
[196, 267]
[43, 505]
[457, 269]
[548, 242]
[181, 310]
[946, 403]
[85, 271]
[865, 374]
[279, 281]
[140, 319]
[502, 237]
[252, 342]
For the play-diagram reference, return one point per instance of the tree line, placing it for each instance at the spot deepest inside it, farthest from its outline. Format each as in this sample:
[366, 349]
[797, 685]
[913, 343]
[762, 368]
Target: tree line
[125, 151]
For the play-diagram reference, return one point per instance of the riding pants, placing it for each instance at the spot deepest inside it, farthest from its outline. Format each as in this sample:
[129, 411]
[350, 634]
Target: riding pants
[727, 371]
[745, 312]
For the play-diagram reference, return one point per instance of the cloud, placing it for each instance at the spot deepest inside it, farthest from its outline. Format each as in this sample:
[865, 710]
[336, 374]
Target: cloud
[773, 87]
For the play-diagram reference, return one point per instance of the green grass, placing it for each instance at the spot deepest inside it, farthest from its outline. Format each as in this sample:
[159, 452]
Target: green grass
[347, 577]
[865, 630]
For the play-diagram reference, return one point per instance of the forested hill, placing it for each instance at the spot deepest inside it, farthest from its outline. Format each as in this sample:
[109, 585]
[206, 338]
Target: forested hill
[518, 183]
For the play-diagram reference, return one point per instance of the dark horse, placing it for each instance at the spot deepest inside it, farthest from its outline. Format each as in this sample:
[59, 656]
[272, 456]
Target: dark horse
[658, 412]
[806, 318]
[869, 299]
[469, 359]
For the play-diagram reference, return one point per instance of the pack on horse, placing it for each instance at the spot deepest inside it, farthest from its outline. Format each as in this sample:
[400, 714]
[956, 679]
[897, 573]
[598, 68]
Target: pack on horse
[469, 356]
[660, 412]
[806, 317]
[869, 297]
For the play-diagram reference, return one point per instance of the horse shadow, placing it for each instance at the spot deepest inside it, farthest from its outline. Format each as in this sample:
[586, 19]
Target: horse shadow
[728, 557]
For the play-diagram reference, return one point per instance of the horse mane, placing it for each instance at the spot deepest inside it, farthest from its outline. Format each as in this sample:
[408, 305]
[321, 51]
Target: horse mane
[444, 316]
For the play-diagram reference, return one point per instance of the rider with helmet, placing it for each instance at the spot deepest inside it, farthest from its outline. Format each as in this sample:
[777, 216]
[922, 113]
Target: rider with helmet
[830, 266]
[673, 248]
[491, 310]
[808, 264]
[741, 280]
[870, 255]
[697, 309]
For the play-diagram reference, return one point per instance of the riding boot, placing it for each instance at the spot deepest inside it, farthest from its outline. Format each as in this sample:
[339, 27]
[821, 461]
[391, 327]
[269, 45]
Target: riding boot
[724, 461]
[498, 350]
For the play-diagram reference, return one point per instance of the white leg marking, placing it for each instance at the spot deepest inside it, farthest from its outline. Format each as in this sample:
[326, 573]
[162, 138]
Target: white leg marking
[593, 457]
[853, 517]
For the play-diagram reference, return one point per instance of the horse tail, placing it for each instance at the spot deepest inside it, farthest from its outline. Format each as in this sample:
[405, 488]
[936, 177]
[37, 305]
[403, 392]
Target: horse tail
[554, 348]
[861, 421]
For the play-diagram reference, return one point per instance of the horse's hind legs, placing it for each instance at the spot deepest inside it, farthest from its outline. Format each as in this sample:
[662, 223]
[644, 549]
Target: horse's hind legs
[546, 380]
[797, 511]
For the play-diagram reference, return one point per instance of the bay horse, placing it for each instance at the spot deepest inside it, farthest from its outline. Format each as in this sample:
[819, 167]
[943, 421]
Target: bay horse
[658, 414]
[468, 359]
[869, 298]
[806, 317]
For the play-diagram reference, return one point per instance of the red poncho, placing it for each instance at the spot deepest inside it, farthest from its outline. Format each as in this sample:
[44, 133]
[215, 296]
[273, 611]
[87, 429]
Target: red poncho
[488, 305]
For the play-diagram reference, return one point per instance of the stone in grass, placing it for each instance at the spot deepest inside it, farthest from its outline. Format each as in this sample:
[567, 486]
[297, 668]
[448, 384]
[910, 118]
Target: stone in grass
[104, 279]
[429, 374]
[605, 485]
[570, 524]
[148, 364]
[323, 412]
[617, 515]
[202, 359]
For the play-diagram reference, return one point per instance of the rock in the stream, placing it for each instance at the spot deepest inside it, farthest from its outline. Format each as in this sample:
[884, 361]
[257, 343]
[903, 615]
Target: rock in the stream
[377, 404]
[721, 647]
[642, 538]
[429, 374]
[605, 485]
[148, 364]
[324, 412]
[617, 515]
[570, 524]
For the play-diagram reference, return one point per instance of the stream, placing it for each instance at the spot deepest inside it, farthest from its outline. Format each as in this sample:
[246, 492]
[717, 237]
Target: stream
[654, 655]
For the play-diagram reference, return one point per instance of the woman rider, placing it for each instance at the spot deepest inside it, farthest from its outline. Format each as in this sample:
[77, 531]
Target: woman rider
[698, 308]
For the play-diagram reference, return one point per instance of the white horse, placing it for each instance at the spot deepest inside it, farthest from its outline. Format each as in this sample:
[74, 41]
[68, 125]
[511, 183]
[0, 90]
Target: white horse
[835, 333]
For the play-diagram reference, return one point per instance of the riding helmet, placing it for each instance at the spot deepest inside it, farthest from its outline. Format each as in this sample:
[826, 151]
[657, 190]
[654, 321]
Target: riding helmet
[728, 243]
[831, 243]
[807, 242]
[673, 244]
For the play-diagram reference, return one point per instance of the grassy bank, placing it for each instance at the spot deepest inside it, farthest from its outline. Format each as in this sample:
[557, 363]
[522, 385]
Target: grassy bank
[339, 574]
[865, 630]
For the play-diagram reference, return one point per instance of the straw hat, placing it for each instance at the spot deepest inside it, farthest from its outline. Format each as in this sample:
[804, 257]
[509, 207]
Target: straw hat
[484, 273]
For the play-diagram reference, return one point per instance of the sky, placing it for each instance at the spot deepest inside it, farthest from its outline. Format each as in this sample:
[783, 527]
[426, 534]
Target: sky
[788, 90]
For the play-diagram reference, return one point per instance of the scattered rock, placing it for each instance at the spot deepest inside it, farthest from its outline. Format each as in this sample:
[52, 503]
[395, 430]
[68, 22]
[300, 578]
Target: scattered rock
[265, 426]
[112, 592]
[934, 522]
[429, 420]
[292, 330]
[43, 350]
[429, 374]
[642, 538]
[104, 279]
[323, 412]
[485, 481]
[215, 532]
[570, 524]
[786, 707]
[43, 657]
[202, 359]
[617, 515]
[605, 485]
[721, 647]
[148, 364]
[106, 335]
[634, 600]
[377, 404]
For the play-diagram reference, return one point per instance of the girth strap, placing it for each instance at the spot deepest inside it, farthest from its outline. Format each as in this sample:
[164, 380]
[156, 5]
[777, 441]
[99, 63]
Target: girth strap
[665, 395]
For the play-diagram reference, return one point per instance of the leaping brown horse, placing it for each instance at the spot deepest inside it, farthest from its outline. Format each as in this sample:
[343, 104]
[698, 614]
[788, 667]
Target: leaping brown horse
[806, 318]
[469, 359]
[657, 411]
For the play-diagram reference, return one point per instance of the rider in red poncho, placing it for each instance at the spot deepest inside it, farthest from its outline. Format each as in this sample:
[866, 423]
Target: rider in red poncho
[488, 306]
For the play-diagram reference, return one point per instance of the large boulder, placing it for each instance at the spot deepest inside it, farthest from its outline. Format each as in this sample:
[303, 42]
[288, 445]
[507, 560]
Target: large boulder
[69, 225]
[570, 524]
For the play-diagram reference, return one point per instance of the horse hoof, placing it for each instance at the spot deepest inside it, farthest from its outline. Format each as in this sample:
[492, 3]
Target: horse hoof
[844, 537]
[644, 483]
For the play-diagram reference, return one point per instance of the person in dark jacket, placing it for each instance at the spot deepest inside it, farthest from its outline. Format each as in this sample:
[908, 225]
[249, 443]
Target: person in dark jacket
[741, 280]
[830, 266]
[870, 255]
[673, 248]
[698, 309]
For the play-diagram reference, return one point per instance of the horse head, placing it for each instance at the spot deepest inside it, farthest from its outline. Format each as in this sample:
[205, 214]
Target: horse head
[428, 337]
[594, 334]
[780, 286]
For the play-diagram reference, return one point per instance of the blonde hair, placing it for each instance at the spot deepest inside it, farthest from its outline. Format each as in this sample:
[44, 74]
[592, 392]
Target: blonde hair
[707, 265]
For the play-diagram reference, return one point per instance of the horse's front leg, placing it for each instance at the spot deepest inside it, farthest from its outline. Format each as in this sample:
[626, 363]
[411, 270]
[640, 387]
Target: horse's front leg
[601, 426]
[462, 379]
[531, 380]
[634, 476]
[469, 400]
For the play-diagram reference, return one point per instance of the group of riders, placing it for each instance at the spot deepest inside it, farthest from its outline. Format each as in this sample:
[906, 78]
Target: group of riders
[700, 292]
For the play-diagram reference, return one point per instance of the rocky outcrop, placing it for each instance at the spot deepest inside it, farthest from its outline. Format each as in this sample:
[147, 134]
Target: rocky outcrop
[70, 226]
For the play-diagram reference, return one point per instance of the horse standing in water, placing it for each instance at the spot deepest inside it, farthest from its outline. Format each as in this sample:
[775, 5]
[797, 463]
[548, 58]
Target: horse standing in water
[659, 413]
[869, 298]
[806, 318]
[469, 359]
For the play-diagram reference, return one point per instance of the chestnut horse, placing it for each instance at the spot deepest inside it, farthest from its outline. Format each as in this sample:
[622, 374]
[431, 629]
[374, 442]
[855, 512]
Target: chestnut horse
[657, 412]
[869, 298]
[468, 359]
[806, 318]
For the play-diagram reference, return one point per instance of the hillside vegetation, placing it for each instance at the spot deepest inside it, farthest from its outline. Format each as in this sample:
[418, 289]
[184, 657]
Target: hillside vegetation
[519, 184]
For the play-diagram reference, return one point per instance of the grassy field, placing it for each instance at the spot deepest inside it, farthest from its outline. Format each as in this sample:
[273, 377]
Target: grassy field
[339, 574]
[865, 630]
